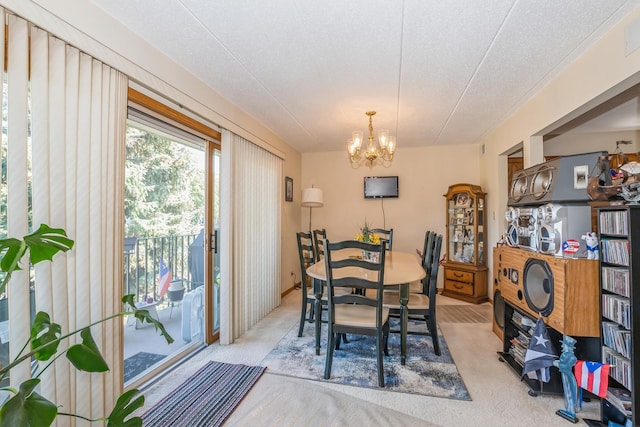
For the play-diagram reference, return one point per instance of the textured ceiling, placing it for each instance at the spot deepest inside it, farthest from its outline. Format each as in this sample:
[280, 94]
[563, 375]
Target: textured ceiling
[437, 72]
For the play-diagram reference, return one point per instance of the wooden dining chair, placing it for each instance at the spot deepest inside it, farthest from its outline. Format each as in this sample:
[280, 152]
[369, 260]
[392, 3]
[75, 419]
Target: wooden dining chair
[306, 255]
[318, 236]
[386, 235]
[355, 313]
[422, 306]
[425, 260]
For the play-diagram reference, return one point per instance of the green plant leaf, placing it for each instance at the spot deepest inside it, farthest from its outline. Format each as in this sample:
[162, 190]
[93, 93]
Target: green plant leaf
[13, 250]
[44, 332]
[45, 242]
[129, 300]
[144, 316]
[86, 356]
[125, 407]
[28, 408]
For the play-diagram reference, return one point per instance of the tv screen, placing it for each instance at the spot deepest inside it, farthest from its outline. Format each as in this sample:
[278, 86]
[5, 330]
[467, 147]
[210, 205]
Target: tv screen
[380, 187]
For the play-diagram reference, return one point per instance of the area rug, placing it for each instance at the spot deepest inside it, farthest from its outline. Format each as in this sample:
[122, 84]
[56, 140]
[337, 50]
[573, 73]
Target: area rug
[139, 362]
[355, 363]
[207, 398]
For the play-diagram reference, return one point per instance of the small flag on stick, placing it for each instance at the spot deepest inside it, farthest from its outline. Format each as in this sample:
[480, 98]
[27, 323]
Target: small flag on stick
[592, 376]
[164, 277]
[540, 353]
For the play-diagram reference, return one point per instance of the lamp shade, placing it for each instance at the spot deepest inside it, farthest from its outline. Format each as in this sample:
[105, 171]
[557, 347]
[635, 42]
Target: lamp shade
[312, 197]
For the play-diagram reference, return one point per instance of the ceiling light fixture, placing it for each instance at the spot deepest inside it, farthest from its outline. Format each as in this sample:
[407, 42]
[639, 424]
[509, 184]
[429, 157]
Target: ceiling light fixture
[374, 154]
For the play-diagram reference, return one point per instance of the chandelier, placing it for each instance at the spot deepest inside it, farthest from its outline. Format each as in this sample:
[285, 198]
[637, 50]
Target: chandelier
[374, 154]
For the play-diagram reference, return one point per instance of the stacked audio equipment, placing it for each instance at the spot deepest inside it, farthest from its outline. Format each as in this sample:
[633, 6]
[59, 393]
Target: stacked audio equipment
[563, 291]
[548, 205]
[548, 212]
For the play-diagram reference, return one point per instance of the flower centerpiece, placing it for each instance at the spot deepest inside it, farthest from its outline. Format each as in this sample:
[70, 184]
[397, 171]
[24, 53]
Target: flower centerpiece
[367, 236]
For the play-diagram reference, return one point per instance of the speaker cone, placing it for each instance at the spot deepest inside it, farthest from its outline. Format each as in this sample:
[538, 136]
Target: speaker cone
[548, 239]
[511, 236]
[518, 187]
[537, 284]
[541, 182]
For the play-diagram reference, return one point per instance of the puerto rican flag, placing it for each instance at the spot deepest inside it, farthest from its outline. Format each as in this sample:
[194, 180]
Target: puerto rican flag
[164, 277]
[592, 376]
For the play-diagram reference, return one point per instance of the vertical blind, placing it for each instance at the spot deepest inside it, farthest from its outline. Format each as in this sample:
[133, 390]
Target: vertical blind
[254, 207]
[77, 108]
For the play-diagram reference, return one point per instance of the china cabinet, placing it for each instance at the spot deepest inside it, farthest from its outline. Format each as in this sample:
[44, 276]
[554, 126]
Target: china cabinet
[465, 272]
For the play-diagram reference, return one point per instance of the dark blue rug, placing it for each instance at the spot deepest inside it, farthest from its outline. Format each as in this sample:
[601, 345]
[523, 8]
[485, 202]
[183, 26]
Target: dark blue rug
[139, 362]
[355, 363]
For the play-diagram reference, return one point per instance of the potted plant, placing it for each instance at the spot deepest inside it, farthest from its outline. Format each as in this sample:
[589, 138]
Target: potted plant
[24, 406]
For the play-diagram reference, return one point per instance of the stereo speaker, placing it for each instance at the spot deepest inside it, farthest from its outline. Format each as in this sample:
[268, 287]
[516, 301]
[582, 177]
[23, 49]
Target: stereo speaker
[561, 180]
[565, 291]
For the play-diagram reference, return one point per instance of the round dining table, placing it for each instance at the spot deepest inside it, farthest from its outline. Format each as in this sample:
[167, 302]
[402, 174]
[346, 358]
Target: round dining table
[400, 269]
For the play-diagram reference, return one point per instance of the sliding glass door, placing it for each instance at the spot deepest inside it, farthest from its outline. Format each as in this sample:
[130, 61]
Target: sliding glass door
[168, 226]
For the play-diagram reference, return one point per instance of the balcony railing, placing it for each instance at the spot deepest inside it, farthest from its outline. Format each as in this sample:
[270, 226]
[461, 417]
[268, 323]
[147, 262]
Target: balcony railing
[181, 254]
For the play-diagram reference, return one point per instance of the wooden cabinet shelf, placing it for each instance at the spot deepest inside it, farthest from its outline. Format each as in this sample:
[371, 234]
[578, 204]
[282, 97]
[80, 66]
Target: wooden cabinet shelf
[465, 273]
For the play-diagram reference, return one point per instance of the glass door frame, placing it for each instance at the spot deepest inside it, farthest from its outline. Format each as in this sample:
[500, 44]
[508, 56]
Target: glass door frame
[212, 242]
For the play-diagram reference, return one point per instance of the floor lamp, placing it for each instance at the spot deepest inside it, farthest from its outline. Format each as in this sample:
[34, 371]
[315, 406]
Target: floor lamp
[311, 198]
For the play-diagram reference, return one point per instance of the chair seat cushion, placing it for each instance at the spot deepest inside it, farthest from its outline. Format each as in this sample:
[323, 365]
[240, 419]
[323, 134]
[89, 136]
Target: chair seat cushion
[359, 315]
[391, 300]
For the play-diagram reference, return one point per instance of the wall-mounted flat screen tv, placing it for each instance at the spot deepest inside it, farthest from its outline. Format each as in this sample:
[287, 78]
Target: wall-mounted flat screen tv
[380, 187]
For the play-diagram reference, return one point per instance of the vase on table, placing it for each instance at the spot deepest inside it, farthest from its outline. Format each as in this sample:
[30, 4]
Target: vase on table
[371, 256]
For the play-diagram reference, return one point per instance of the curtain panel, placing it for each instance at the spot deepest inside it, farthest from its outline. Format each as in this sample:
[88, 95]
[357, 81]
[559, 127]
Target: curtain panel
[75, 165]
[251, 203]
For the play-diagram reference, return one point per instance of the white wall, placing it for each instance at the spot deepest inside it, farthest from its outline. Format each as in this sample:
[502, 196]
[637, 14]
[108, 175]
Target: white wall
[424, 176]
[602, 72]
[574, 143]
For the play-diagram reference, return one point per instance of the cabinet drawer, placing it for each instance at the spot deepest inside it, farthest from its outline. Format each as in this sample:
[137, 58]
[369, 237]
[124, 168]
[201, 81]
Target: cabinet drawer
[458, 276]
[459, 287]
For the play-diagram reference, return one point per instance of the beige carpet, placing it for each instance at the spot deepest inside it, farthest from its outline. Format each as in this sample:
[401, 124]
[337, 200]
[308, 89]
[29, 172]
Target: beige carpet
[498, 396]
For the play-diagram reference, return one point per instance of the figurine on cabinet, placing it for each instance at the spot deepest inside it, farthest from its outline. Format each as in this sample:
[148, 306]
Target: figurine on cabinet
[591, 239]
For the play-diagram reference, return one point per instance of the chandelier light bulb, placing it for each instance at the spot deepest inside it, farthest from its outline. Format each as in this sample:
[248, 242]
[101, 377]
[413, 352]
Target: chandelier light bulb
[383, 138]
[351, 148]
[391, 147]
[356, 137]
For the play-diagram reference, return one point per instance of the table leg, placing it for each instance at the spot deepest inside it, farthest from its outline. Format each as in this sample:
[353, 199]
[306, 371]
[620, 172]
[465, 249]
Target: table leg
[317, 291]
[404, 320]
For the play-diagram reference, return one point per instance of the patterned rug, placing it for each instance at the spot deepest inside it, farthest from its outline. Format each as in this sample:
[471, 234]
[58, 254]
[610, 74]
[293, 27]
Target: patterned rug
[140, 362]
[355, 363]
[207, 398]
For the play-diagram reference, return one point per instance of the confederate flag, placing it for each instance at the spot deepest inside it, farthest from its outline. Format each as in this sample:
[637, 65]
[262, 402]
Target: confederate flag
[592, 376]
